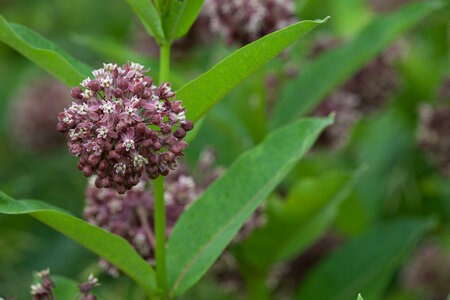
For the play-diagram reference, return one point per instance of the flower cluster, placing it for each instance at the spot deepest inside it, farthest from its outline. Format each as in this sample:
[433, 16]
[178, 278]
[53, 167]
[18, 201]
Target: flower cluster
[44, 289]
[433, 134]
[245, 21]
[428, 272]
[33, 115]
[364, 93]
[123, 126]
[345, 105]
[131, 215]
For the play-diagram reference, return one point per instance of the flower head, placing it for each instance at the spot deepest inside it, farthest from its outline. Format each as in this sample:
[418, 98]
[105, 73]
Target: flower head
[245, 21]
[123, 126]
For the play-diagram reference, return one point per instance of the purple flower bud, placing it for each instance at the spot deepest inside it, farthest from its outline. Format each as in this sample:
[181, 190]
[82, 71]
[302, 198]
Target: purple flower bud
[76, 93]
[179, 133]
[117, 93]
[122, 83]
[188, 125]
[94, 85]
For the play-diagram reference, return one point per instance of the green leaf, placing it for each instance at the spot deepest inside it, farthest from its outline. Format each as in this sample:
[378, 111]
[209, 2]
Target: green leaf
[360, 297]
[334, 67]
[110, 246]
[181, 16]
[65, 288]
[307, 213]
[149, 16]
[205, 228]
[366, 263]
[202, 93]
[43, 53]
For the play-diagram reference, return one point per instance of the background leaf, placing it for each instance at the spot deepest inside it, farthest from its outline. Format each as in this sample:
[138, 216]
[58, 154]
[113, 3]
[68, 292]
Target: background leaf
[149, 16]
[313, 84]
[202, 93]
[205, 228]
[43, 53]
[181, 16]
[306, 214]
[110, 246]
[366, 263]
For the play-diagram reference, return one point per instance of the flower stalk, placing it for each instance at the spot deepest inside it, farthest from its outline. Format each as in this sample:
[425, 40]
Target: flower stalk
[160, 208]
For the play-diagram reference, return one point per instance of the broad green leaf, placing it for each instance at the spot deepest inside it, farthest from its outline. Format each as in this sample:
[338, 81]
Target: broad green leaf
[360, 297]
[307, 213]
[202, 93]
[149, 16]
[206, 227]
[334, 67]
[366, 263]
[181, 15]
[110, 246]
[43, 53]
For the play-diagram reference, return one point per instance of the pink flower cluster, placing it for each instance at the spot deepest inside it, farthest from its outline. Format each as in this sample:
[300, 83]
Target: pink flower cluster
[245, 21]
[123, 125]
[131, 215]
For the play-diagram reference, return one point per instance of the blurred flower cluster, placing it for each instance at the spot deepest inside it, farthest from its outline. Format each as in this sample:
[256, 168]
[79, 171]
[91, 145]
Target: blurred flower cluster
[245, 21]
[428, 272]
[366, 92]
[434, 128]
[122, 125]
[34, 115]
[131, 215]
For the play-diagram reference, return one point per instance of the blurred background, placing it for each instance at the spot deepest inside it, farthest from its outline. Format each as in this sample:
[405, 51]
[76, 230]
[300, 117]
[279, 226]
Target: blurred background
[387, 234]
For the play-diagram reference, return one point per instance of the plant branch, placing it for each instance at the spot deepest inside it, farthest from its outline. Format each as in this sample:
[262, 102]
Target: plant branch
[143, 219]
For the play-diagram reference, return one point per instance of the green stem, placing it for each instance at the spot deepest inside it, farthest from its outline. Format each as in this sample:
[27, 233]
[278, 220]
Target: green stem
[160, 208]
[164, 63]
[160, 236]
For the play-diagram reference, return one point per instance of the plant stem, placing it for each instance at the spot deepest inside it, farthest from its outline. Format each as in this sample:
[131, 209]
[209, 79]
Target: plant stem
[164, 62]
[160, 234]
[160, 208]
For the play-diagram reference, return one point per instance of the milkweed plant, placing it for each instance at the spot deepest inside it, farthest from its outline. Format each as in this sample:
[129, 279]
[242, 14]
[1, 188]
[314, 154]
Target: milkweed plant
[164, 222]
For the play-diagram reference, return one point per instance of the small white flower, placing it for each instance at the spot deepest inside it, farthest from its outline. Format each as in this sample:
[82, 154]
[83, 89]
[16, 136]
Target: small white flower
[98, 73]
[86, 82]
[107, 82]
[136, 67]
[107, 107]
[109, 67]
[182, 117]
[87, 94]
[128, 144]
[93, 281]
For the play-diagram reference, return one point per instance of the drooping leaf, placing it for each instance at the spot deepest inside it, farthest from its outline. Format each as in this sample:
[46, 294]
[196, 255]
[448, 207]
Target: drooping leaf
[334, 67]
[43, 53]
[205, 228]
[110, 246]
[308, 211]
[366, 263]
[202, 93]
[181, 15]
[149, 16]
